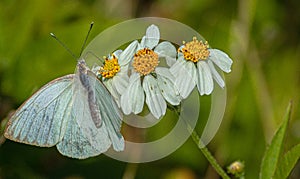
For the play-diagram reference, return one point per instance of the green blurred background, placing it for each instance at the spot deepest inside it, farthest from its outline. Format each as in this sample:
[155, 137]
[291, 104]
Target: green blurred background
[262, 38]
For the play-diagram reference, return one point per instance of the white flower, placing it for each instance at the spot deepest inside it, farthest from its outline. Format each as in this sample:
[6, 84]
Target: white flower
[196, 66]
[156, 84]
[114, 72]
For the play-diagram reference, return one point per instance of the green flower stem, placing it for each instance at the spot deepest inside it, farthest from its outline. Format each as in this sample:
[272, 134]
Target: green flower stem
[211, 159]
[207, 153]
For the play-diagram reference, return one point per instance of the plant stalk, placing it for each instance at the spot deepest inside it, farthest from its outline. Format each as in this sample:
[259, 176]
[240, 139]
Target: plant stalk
[211, 159]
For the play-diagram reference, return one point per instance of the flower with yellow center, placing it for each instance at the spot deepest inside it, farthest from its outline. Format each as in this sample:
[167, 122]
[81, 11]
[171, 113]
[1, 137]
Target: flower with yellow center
[145, 61]
[148, 80]
[195, 50]
[110, 68]
[196, 66]
[114, 71]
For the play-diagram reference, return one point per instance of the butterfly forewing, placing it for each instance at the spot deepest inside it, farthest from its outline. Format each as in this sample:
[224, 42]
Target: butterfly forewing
[41, 120]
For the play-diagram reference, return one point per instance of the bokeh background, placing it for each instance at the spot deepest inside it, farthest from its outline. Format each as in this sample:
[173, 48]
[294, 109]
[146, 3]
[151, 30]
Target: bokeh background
[262, 38]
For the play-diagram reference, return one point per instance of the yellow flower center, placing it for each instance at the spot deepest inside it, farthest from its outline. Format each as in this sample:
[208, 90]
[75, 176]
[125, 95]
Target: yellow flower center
[110, 68]
[145, 61]
[195, 50]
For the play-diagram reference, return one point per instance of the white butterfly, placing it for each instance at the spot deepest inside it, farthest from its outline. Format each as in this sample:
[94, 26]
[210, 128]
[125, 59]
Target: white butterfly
[74, 112]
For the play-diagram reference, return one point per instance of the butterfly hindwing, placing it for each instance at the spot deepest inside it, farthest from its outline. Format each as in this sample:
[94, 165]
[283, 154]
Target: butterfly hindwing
[77, 143]
[41, 120]
[110, 114]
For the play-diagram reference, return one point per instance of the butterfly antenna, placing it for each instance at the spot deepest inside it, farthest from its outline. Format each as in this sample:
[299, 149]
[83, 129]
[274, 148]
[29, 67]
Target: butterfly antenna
[62, 44]
[86, 38]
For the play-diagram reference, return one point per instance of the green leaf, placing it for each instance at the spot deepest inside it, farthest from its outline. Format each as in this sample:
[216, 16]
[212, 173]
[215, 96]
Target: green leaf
[272, 153]
[286, 165]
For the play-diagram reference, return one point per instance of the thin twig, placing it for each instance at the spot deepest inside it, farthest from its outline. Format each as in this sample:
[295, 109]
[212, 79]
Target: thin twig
[207, 153]
[211, 159]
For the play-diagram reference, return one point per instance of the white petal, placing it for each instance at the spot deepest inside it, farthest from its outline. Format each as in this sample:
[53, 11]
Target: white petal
[155, 101]
[166, 84]
[185, 76]
[168, 51]
[117, 53]
[133, 98]
[179, 55]
[125, 103]
[177, 66]
[128, 53]
[151, 38]
[136, 93]
[134, 77]
[221, 59]
[142, 44]
[205, 82]
[121, 82]
[215, 74]
[124, 68]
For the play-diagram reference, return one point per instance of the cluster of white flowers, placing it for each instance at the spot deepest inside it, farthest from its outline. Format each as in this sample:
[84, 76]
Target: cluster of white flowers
[133, 76]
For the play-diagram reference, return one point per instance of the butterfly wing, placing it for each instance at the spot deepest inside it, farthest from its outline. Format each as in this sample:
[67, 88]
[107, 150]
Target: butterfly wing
[101, 102]
[86, 135]
[41, 120]
[81, 142]
[110, 113]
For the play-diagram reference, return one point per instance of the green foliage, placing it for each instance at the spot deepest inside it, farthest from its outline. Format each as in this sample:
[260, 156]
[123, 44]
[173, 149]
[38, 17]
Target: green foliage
[287, 163]
[273, 153]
